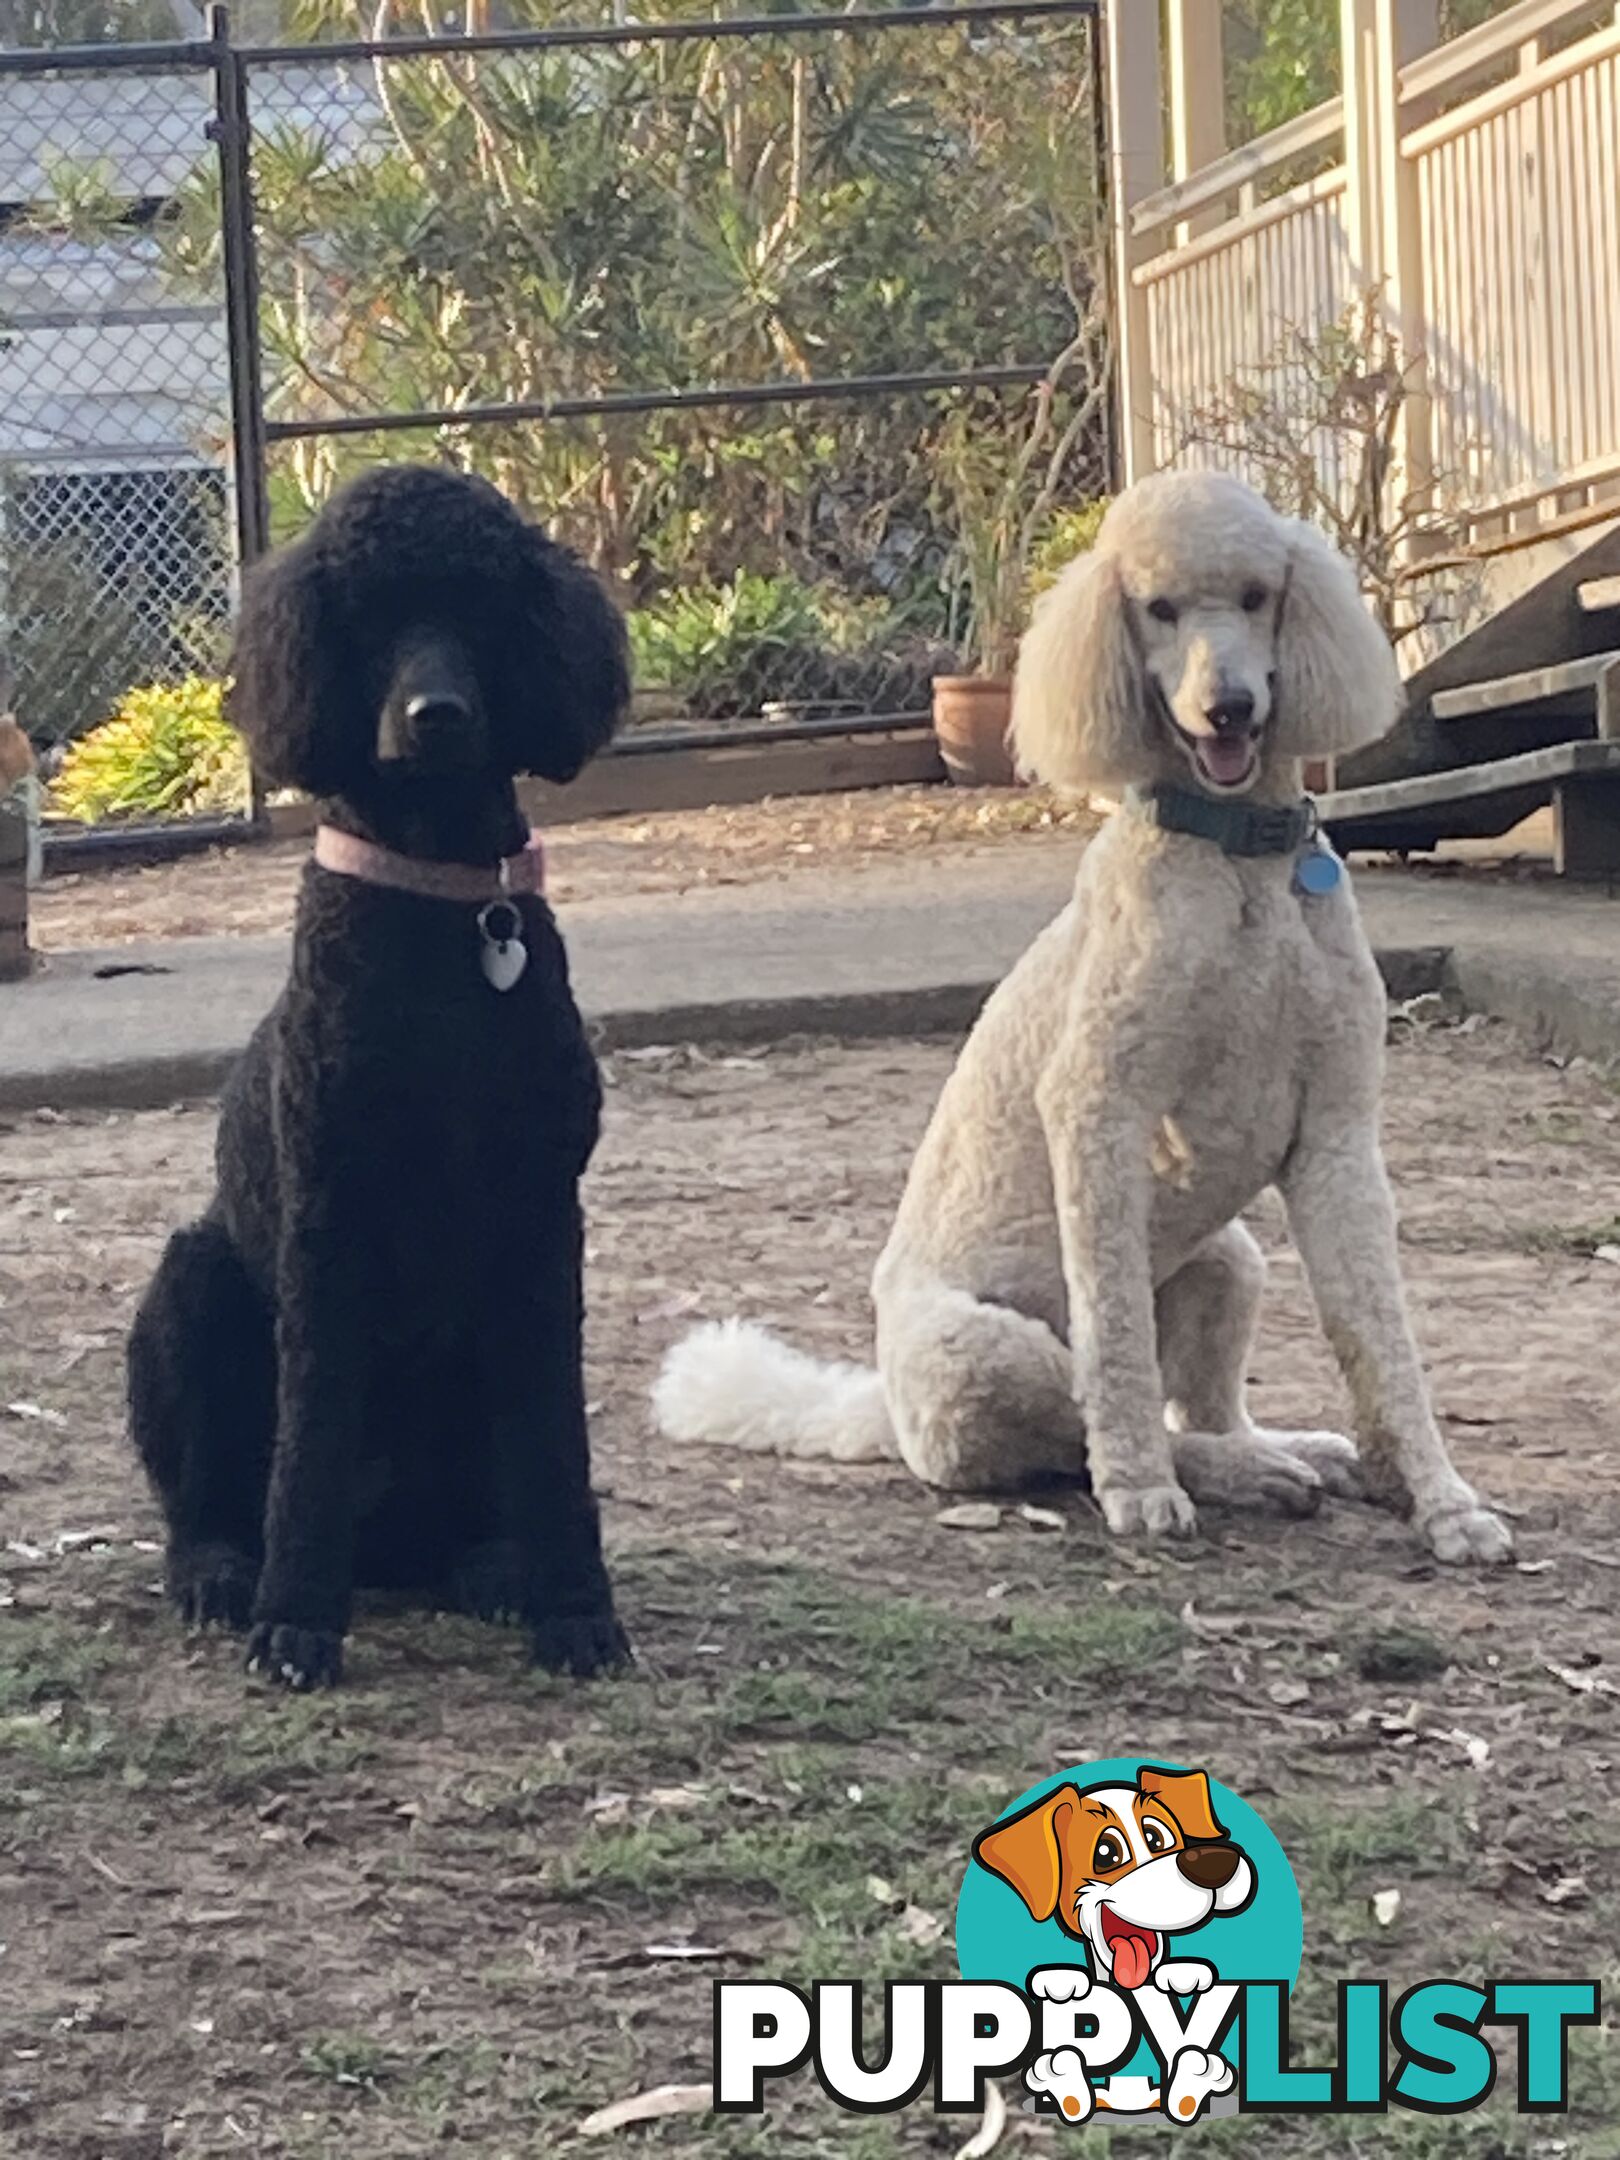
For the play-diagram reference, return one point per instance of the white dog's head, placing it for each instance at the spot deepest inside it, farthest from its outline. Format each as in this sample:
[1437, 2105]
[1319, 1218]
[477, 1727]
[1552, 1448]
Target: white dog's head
[1203, 637]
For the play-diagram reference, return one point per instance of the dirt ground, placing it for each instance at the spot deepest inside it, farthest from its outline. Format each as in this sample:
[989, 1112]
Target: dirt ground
[457, 1906]
[237, 892]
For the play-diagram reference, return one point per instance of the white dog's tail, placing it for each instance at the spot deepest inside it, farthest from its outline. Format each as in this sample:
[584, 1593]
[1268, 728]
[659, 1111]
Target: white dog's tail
[736, 1385]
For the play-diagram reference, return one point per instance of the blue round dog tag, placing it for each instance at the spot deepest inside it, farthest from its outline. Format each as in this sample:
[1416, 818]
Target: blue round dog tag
[1317, 872]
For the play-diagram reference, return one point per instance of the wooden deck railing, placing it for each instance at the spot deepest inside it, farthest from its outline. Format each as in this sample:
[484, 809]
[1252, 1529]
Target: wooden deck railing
[1477, 187]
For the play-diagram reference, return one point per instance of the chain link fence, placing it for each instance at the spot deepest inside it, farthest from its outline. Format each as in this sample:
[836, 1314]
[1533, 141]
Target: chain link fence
[115, 550]
[791, 326]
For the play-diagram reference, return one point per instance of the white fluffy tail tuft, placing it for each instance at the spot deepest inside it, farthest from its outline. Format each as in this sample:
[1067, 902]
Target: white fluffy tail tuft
[733, 1384]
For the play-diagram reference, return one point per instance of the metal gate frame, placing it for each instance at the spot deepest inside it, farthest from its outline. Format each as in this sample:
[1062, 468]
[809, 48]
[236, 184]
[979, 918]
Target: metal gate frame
[253, 434]
[259, 434]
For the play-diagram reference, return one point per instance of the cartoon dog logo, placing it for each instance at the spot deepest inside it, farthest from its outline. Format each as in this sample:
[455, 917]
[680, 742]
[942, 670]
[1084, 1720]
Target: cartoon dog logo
[1122, 1868]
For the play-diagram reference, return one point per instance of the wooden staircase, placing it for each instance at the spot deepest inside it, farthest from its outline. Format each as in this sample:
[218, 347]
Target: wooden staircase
[1522, 713]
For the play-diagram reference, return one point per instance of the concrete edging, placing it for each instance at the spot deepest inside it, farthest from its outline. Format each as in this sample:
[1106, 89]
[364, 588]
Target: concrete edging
[854, 1016]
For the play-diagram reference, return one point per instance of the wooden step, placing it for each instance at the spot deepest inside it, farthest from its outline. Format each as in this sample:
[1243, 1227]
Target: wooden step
[1596, 676]
[1581, 779]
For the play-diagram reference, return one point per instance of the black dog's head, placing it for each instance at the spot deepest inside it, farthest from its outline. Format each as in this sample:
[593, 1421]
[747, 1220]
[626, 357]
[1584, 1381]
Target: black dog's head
[420, 645]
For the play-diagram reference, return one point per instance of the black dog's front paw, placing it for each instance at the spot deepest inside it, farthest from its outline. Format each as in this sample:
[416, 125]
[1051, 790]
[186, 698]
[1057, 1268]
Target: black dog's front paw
[212, 1585]
[493, 1582]
[296, 1657]
[583, 1644]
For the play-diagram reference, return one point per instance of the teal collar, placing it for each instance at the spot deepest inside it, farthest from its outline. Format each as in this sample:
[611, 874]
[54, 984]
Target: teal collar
[1237, 828]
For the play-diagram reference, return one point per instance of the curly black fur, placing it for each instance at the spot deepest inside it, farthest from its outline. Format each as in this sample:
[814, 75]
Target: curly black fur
[362, 1366]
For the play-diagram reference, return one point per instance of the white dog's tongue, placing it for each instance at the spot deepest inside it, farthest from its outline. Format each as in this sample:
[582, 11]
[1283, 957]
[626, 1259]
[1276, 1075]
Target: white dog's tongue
[1133, 1956]
[1226, 758]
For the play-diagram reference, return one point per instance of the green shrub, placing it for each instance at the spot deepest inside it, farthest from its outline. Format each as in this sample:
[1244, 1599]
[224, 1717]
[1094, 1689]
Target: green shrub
[1068, 533]
[167, 750]
[732, 648]
[72, 635]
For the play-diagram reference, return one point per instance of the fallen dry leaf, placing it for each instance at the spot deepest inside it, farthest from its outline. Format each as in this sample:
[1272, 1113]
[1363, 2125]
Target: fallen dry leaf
[971, 1515]
[1567, 1890]
[678, 1953]
[1477, 1750]
[920, 1927]
[1041, 1518]
[650, 2106]
[1582, 1683]
[988, 2135]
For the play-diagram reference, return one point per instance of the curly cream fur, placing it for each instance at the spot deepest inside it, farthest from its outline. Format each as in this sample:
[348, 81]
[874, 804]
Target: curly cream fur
[1068, 1285]
[1311, 655]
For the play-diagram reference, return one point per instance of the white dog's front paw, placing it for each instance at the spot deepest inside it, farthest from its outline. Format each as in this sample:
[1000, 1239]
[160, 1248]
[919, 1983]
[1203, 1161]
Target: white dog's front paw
[1062, 2073]
[1245, 1470]
[1196, 2077]
[1466, 1532]
[1184, 1976]
[1148, 1511]
[1061, 1983]
[1334, 1458]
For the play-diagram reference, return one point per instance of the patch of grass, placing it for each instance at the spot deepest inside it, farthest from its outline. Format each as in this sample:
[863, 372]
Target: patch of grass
[1557, 1128]
[44, 1659]
[62, 1715]
[1583, 1242]
[854, 1668]
[1491, 2134]
[1097, 1642]
[54, 1719]
[284, 1736]
[812, 1857]
[811, 2132]
[1336, 1850]
[347, 2058]
[1400, 1655]
[810, 1658]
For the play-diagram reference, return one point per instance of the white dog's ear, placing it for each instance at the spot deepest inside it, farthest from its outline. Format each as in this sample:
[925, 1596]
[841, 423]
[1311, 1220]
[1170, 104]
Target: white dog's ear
[1337, 683]
[1078, 695]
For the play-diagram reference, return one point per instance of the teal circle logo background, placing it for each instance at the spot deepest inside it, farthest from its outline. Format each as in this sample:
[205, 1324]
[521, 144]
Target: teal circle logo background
[997, 1937]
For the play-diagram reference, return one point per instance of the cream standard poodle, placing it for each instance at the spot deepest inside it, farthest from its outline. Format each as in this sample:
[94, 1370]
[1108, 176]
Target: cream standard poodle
[1068, 1287]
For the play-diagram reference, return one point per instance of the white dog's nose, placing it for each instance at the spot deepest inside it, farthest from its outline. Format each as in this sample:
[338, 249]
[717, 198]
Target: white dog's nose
[1233, 710]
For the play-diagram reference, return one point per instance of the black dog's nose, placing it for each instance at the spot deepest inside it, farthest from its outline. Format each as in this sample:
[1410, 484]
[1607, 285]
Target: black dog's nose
[432, 717]
[1233, 711]
[437, 709]
[1209, 1866]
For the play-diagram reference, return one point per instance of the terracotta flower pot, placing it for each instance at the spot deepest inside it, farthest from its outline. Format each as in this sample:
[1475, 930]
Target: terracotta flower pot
[971, 713]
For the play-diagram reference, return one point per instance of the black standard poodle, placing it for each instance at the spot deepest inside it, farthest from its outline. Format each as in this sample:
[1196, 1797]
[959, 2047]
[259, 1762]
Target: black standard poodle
[362, 1365]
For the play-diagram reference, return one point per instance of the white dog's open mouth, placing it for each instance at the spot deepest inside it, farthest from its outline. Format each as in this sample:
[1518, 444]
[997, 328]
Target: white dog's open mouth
[1224, 761]
[1132, 1948]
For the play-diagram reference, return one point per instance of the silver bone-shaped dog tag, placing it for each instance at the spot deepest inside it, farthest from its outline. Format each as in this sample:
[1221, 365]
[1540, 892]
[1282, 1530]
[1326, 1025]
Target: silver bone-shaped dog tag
[503, 958]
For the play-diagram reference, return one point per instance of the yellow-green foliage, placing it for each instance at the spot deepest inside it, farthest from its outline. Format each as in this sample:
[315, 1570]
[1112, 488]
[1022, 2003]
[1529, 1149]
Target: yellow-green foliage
[1068, 533]
[168, 749]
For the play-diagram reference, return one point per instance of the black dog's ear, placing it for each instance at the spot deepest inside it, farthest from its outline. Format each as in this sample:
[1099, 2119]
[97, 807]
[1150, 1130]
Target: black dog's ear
[285, 666]
[574, 678]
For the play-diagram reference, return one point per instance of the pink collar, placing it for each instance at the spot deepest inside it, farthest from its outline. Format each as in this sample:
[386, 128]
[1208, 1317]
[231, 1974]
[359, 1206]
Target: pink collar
[351, 856]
